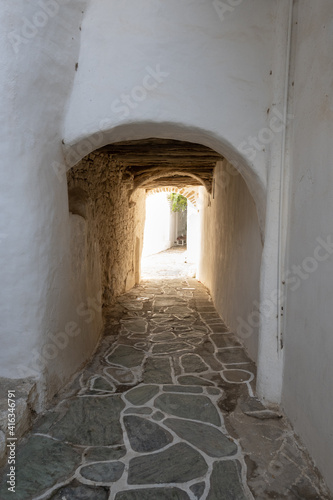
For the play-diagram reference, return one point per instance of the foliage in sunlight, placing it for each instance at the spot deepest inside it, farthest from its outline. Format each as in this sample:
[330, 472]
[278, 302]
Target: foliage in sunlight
[178, 202]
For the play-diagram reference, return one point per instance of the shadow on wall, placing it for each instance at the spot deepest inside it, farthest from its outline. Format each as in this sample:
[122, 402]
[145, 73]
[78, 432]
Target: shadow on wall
[231, 253]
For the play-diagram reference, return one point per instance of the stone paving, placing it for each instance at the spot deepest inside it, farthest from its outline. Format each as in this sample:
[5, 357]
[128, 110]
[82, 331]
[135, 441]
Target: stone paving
[166, 410]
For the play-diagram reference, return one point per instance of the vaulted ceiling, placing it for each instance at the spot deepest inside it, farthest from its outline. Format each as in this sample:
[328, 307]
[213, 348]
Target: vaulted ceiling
[163, 162]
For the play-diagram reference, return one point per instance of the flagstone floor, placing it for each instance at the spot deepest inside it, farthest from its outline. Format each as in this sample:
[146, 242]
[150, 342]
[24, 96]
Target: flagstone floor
[166, 410]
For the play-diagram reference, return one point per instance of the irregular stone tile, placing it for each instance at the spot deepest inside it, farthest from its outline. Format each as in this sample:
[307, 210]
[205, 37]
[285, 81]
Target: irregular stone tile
[163, 337]
[206, 351]
[218, 328]
[233, 355]
[236, 376]
[188, 406]
[160, 329]
[144, 410]
[192, 380]
[224, 340]
[158, 415]
[103, 472]
[179, 310]
[213, 391]
[40, 464]
[133, 306]
[120, 375]
[141, 395]
[145, 436]
[153, 494]
[168, 301]
[126, 356]
[208, 439]
[138, 325]
[177, 464]
[157, 371]
[192, 363]
[91, 421]
[210, 315]
[44, 423]
[101, 384]
[198, 489]
[78, 491]
[177, 388]
[225, 482]
[171, 348]
[101, 453]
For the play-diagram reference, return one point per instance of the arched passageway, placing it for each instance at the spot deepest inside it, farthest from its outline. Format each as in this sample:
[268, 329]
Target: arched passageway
[117, 179]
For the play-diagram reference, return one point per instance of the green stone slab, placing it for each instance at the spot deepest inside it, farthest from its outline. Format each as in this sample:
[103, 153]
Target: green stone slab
[141, 395]
[146, 436]
[158, 416]
[138, 325]
[194, 407]
[103, 472]
[238, 376]
[177, 388]
[233, 355]
[163, 337]
[192, 363]
[153, 494]
[218, 328]
[171, 348]
[224, 340]
[177, 464]
[91, 421]
[127, 356]
[101, 454]
[40, 464]
[192, 380]
[208, 439]
[78, 491]
[121, 375]
[101, 384]
[213, 391]
[225, 482]
[157, 371]
[144, 410]
[198, 489]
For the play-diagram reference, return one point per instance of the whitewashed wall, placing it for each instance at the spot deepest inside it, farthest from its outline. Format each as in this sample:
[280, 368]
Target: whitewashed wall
[308, 374]
[38, 56]
[231, 251]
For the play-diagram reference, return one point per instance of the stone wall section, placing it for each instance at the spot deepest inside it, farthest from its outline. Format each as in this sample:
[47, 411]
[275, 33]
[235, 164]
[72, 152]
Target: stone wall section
[99, 192]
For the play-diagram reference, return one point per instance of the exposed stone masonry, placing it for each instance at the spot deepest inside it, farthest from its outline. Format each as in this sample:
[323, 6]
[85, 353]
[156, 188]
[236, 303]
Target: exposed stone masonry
[99, 192]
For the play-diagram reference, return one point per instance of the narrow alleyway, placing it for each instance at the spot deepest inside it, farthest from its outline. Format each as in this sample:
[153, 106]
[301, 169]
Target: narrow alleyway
[165, 411]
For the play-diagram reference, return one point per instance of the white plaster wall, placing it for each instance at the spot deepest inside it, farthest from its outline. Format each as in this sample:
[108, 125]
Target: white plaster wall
[308, 338]
[157, 226]
[193, 234]
[214, 82]
[37, 70]
[230, 253]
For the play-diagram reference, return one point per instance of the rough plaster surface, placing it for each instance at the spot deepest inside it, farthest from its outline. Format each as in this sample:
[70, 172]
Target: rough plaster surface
[114, 226]
[308, 371]
[231, 253]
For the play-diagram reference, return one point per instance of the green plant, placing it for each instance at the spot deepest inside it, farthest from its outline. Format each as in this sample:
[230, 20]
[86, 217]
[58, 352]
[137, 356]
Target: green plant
[178, 202]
